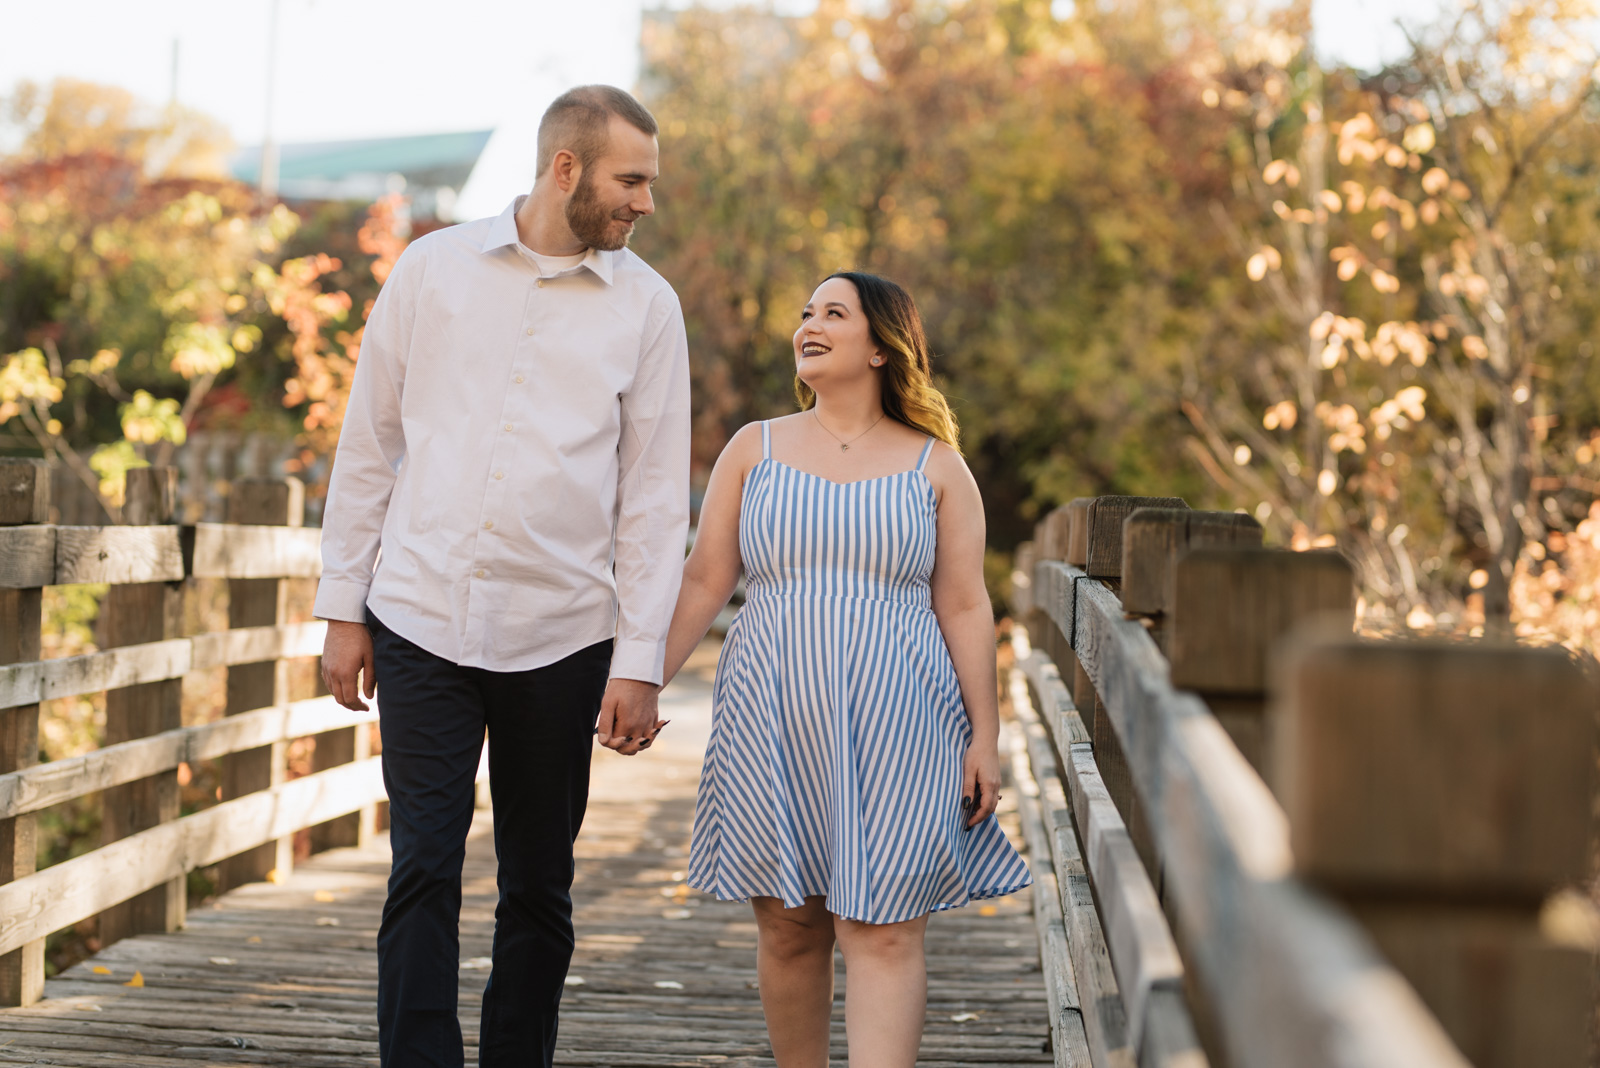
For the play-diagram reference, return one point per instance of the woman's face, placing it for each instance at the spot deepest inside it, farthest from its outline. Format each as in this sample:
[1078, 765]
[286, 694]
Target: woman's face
[834, 342]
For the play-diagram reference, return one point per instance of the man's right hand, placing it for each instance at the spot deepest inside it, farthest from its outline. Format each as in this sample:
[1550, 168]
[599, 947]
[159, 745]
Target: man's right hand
[347, 654]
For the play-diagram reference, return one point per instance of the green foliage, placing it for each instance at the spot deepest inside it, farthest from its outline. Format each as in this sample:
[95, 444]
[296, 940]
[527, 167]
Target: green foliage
[987, 157]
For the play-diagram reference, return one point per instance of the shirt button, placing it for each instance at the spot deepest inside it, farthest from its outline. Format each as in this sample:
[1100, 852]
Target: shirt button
[480, 572]
[488, 524]
[540, 283]
[529, 331]
[517, 380]
[499, 474]
[508, 426]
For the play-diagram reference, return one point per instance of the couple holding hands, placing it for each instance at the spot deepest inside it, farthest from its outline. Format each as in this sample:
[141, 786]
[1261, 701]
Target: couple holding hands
[503, 553]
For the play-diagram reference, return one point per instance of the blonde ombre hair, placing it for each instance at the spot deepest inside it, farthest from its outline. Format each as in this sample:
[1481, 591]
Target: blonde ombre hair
[909, 394]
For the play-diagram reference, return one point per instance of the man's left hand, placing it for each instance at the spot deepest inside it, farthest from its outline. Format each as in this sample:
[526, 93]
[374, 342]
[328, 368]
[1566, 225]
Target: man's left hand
[628, 715]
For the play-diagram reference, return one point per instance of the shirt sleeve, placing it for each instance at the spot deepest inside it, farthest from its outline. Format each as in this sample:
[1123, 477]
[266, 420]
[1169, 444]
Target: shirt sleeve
[371, 446]
[652, 497]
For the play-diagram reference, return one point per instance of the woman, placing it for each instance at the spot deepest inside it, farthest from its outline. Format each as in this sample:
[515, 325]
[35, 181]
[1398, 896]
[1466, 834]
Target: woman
[853, 769]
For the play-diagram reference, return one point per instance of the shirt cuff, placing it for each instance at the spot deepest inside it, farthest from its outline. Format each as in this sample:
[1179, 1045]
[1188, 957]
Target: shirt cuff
[639, 660]
[341, 600]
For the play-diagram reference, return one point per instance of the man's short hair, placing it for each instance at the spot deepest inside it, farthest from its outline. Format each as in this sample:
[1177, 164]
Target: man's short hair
[579, 121]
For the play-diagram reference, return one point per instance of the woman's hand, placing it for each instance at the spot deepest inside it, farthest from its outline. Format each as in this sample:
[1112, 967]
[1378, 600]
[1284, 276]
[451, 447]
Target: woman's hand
[980, 779]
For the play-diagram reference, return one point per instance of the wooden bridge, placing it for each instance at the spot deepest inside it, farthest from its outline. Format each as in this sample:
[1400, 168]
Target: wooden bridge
[1378, 904]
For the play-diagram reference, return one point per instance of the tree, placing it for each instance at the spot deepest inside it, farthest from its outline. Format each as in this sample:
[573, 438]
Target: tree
[1432, 201]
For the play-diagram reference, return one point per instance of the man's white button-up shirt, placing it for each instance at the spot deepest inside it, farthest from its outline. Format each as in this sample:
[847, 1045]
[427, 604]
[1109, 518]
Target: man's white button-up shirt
[517, 445]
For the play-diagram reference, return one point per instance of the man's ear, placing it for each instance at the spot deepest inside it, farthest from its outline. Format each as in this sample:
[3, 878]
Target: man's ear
[566, 170]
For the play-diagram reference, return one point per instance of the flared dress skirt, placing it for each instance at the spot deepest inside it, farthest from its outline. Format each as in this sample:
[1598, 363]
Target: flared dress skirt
[838, 730]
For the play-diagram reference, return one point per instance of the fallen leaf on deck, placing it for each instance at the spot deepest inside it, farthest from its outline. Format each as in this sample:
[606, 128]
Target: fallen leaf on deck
[276, 877]
[965, 1017]
[676, 914]
[668, 984]
[254, 940]
[477, 964]
[988, 910]
[137, 980]
[324, 896]
[101, 969]
[327, 921]
[575, 980]
[223, 960]
[88, 1008]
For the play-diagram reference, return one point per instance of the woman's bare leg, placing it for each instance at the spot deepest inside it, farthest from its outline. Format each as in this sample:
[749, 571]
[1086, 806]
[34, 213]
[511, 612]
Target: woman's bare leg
[794, 967]
[886, 990]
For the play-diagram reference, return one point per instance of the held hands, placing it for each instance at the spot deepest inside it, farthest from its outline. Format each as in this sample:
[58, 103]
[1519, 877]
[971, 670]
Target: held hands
[980, 781]
[346, 654]
[629, 716]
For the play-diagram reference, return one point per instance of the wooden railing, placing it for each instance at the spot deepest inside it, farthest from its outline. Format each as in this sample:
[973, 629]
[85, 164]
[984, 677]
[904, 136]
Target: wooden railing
[1378, 904]
[135, 882]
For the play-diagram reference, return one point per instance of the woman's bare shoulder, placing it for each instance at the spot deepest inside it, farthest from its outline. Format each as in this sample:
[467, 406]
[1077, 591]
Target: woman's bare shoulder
[951, 477]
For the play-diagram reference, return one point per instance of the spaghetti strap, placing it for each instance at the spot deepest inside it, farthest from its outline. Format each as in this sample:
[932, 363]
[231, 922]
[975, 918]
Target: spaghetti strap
[922, 461]
[766, 440]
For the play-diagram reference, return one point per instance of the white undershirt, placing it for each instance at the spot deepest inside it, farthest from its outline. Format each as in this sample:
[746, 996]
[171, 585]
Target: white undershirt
[553, 265]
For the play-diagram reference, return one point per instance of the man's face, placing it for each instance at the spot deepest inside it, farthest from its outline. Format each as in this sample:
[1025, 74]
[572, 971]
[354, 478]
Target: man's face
[615, 191]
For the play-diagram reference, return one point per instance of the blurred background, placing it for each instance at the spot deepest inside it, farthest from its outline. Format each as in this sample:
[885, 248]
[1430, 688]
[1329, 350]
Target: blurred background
[1328, 263]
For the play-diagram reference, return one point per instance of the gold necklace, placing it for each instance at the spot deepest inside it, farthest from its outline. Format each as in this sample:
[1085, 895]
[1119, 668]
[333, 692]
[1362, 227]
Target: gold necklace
[844, 446]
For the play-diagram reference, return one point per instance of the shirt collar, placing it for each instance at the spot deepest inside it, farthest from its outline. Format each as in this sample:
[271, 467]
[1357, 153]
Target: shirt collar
[503, 232]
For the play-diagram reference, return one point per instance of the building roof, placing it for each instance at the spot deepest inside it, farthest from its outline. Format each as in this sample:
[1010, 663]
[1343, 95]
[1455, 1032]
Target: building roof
[363, 169]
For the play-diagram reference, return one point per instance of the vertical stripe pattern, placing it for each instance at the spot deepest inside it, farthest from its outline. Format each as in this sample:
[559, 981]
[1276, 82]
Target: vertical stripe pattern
[834, 767]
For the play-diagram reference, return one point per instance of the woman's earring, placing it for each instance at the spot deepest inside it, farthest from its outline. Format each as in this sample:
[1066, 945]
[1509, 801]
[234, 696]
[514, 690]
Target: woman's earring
[877, 361]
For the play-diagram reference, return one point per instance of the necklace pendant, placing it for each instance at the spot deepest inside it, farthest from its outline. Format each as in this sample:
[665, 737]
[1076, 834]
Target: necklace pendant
[844, 448]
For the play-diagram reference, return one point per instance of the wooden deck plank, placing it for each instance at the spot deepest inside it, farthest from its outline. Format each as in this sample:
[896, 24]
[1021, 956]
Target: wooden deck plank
[287, 974]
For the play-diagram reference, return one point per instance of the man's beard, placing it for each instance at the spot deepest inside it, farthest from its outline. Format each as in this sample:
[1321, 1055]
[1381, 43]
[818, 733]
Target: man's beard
[590, 221]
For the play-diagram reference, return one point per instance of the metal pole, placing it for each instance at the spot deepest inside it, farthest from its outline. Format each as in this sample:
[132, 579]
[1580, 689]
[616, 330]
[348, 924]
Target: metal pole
[269, 147]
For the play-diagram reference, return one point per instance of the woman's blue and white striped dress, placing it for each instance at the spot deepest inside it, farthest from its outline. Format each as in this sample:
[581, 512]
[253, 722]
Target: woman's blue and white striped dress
[838, 731]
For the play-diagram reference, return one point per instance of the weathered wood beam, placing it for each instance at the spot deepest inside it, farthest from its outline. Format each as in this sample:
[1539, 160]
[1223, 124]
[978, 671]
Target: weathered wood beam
[117, 555]
[45, 680]
[226, 550]
[1154, 538]
[25, 492]
[1069, 1040]
[1103, 530]
[1101, 1008]
[46, 901]
[131, 614]
[48, 555]
[256, 602]
[43, 785]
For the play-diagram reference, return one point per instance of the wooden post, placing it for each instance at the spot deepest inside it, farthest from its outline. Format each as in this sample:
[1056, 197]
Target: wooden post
[24, 499]
[1442, 790]
[259, 603]
[1078, 530]
[332, 749]
[1050, 543]
[1154, 538]
[1102, 549]
[131, 615]
[1229, 607]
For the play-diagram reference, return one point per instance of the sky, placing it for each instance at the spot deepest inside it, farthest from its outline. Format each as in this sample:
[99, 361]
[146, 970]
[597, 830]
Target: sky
[374, 68]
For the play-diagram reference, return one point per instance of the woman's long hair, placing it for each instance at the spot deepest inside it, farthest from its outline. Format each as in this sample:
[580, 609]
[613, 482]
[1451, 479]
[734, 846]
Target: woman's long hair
[909, 394]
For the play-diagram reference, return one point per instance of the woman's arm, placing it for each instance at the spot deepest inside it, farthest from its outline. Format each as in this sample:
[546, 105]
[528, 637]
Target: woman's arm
[961, 603]
[712, 570]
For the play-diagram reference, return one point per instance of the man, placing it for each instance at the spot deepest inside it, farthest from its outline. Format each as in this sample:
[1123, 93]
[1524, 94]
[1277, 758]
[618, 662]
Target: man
[517, 445]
